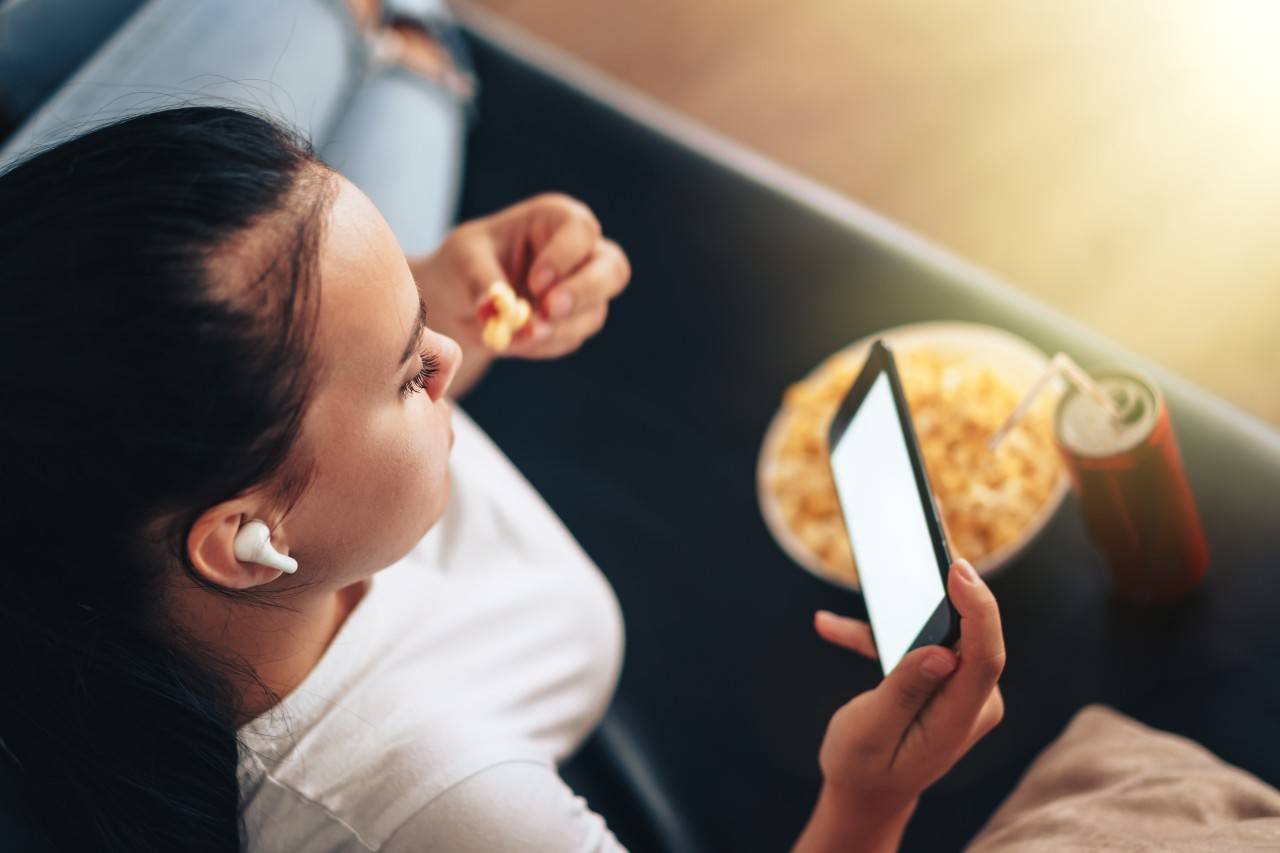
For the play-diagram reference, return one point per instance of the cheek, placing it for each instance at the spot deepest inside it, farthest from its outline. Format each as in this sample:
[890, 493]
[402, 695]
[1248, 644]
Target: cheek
[411, 487]
[382, 490]
[420, 465]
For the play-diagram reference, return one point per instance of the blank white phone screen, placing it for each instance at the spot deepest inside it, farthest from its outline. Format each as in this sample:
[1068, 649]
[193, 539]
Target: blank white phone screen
[897, 567]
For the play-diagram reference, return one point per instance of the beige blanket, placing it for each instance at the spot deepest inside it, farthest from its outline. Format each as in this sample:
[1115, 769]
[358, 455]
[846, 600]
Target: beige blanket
[1110, 783]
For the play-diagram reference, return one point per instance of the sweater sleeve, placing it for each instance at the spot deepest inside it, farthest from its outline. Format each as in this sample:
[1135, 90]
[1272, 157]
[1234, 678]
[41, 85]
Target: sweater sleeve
[511, 807]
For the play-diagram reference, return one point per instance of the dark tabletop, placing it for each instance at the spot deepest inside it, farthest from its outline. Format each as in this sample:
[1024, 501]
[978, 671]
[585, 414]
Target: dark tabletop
[645, 443]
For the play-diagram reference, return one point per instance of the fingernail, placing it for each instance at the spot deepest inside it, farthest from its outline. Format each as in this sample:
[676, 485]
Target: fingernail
[937, 667]
[542, 279]
[561, 304]
[966, 571]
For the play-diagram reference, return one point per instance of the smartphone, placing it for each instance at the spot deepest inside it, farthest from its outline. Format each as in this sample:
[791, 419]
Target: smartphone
[890, 514]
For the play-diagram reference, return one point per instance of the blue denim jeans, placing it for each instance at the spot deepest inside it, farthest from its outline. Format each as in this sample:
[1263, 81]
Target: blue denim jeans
[302, 62]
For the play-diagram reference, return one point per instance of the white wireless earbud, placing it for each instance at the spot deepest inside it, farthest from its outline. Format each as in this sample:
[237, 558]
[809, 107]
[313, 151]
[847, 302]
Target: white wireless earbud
[253, 545]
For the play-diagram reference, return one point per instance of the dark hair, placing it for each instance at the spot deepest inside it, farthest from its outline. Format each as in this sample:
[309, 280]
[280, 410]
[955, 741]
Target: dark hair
[152, 364]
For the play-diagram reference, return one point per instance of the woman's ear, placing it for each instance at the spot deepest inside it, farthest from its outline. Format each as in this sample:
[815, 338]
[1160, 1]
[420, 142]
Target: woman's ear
[211, 548]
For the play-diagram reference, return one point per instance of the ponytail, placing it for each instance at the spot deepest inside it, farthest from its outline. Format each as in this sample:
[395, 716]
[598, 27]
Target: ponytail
[136, 391]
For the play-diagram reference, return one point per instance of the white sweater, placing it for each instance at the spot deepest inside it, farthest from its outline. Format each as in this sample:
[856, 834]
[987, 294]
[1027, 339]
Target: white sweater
[436, 718]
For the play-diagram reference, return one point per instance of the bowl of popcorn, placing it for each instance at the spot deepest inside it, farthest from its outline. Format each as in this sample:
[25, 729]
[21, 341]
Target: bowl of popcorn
[961, 381]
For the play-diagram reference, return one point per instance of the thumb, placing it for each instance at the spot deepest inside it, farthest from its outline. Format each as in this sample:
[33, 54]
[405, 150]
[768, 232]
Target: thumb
[911, 684]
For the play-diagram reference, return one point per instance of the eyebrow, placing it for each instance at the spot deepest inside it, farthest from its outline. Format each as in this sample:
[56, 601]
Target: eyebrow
[416, 333]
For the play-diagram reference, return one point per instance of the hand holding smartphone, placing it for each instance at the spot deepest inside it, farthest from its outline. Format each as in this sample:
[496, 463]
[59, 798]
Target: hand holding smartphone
[890, 514]
[875, 757]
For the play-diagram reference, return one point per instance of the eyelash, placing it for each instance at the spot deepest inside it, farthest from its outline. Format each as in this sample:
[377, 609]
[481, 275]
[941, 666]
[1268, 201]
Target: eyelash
[430, 365]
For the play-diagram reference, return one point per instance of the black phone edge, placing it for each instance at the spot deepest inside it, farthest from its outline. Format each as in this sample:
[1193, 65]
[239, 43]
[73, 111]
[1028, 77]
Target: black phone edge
[943, 625]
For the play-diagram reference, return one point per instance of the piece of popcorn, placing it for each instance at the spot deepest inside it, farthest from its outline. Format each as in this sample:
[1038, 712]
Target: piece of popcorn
[511, 313]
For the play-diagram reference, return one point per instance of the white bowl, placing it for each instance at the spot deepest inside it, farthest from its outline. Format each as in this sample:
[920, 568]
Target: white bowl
[1014, 359]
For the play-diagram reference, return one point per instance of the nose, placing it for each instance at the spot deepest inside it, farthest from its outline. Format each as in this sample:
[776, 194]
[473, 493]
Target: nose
[450, 354]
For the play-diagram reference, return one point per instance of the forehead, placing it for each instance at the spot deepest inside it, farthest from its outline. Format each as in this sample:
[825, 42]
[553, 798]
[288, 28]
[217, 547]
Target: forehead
[368, 298]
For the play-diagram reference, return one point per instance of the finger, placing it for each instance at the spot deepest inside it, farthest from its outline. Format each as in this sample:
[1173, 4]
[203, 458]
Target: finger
[981, 638]
[567, 335]
[540, 339]
[599, 280]
[852, 634]
[907, 689]
[981, 652]
[572, 231]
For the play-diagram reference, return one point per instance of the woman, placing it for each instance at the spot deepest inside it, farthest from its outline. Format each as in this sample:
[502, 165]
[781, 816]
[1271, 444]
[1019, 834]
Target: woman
[203, 326]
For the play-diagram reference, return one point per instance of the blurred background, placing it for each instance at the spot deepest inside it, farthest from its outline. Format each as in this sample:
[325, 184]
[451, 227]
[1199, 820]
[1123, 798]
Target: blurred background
[1120, 161]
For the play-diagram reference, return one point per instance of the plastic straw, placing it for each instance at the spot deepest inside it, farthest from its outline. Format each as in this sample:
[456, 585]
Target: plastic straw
[1060, 365]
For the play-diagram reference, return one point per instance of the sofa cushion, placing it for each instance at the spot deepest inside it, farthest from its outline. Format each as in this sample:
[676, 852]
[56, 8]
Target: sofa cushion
[1109, 782]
